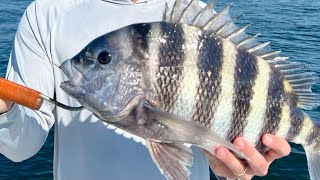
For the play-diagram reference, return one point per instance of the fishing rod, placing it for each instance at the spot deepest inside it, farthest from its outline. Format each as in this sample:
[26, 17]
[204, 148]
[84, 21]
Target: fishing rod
[28, 97]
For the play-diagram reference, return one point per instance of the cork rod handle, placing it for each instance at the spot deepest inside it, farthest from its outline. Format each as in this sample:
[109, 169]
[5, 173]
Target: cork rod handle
[20, 94]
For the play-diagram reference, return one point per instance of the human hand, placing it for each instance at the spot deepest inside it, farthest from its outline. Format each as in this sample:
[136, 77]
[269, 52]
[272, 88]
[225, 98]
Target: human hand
[5, 105]
[226, 164]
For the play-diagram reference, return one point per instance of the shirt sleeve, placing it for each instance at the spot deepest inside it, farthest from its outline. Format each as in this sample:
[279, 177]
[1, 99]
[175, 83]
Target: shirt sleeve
[23, 131]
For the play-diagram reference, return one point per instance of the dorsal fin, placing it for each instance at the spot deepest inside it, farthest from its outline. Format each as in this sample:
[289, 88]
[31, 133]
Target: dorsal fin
[222, 25]
[203, 16]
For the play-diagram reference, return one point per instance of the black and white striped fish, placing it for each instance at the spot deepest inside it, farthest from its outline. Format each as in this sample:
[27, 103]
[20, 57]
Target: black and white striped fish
[194, 78]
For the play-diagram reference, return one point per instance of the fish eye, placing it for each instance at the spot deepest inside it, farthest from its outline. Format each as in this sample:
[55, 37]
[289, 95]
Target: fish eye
[104, 57]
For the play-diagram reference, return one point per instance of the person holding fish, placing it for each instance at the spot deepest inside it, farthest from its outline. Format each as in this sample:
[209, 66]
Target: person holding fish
[126, 63]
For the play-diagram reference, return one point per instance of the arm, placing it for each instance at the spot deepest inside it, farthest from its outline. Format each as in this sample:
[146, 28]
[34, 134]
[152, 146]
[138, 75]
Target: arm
[23, 131]
[227, 165]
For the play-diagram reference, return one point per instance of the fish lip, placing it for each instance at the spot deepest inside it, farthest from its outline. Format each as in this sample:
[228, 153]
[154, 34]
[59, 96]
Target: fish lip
[73, 74]
[64, 67]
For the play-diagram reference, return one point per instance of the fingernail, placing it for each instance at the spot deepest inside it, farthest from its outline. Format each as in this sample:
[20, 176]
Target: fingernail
[268, 139]
[239, 143]
[221, 154]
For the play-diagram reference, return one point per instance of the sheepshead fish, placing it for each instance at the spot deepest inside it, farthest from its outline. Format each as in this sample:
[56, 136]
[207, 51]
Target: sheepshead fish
[194, 78]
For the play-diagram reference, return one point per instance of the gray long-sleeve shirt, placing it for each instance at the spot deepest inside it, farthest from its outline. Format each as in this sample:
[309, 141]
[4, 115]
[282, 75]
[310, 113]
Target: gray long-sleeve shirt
[85, 147]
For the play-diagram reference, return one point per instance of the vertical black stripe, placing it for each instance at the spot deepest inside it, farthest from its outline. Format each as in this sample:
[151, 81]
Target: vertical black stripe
[209, 65]
[171, 57]
[140, 37]
[274, 105]
[296, 116]
[245, 76]
[313, 136]
[312, 139]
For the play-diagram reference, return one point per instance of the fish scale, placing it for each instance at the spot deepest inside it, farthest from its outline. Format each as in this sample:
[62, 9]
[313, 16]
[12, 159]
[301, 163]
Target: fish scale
[297, 119]
[225, 100]
[274, 106]
[171, 58]
[189, 81]
[259, 102]
[313, 136]
[209, 74]
[246, 73]
[199, 81]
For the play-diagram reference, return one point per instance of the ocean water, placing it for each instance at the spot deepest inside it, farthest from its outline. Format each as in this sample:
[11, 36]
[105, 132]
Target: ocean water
[291, 26]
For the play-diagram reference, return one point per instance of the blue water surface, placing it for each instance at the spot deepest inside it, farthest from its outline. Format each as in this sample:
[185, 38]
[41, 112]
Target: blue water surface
[291, 26]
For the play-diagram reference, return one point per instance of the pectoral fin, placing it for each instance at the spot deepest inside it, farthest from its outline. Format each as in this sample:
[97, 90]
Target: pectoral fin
[186, 131]
[171, 159]
[123, 114]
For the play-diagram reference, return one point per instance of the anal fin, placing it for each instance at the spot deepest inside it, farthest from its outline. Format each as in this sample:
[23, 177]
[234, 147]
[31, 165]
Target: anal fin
[171, 159]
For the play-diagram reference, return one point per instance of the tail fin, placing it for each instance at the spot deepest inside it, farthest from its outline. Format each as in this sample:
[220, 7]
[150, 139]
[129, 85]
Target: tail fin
[313, 164]
[311, 146]
[308, 137]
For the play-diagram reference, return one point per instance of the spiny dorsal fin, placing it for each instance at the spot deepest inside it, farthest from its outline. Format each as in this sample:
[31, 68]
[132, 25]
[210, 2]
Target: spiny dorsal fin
[237, 32]
[166, 13]
[204, 15]
[212, 22]
[258, 47]
[187, 10]
[270, 54]
[247, 40]
[226, 25]
[222, 25]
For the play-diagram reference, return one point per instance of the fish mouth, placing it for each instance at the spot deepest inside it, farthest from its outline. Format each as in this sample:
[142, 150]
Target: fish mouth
[75, 76]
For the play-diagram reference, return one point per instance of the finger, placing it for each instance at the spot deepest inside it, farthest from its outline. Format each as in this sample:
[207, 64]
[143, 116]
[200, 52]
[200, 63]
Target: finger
[279, 146]
[271, 155]
[215, 163]
[235, 165]
[219, 168]
[256, 161]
